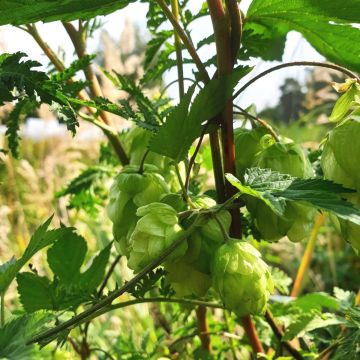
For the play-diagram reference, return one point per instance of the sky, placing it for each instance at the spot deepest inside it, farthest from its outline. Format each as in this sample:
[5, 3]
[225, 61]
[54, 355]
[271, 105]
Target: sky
[263, 93]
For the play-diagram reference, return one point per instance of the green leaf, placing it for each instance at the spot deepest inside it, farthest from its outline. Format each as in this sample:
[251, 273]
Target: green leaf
[274, 189]
[19, 75]
[15, 334]
[310, 321]
[40, 239]
[70, 287]
[164, 141]
[30, 11]
[85, 180]
[66, 256]
[327, 25]
[267, 42]
[75, 66]
[281, 281]
[181, 129]
[35, 292]
[18, 113]
[94, 276]
[316, 300]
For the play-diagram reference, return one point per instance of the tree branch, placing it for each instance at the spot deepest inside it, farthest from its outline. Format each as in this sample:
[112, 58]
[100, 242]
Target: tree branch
[279, 334]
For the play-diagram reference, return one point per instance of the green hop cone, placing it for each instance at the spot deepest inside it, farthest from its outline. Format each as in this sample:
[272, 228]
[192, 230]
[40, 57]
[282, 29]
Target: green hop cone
[340, 163]
[241, 278]
[129, 191]
[247, 148]
[211, 230]
[190, 275]
[286, 158]
[154, 232]
[340, 158]
[296, 223]
[186, 279]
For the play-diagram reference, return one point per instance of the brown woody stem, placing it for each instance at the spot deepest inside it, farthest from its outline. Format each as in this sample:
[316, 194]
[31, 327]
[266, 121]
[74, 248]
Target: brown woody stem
[279, 334]
[79, 41]
[224, 27]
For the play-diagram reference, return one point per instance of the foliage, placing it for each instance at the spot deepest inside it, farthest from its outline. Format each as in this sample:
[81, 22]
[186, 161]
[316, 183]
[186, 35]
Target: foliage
[188, 251]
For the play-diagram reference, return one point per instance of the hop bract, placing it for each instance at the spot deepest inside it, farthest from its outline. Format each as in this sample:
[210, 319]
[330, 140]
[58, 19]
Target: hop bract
[154, 232]
[241, 278]
[247, 148]
[340, 163]
[129, 191]
[190, 275]
[286, 158]
[341, 154]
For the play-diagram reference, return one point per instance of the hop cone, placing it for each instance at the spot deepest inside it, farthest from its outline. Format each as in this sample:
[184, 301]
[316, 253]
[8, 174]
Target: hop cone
[190, 275]
[340, 158]
[286, 158]
[154, 232]
[129, 191]
[241, 278]
[247, 148]
[340, 163]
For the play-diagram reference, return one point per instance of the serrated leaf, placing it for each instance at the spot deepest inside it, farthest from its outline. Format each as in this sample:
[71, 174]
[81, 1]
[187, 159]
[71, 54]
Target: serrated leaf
[75, 66]
[163, 141]
[15, 334]
[309, 321]
[154, 46]
[327, 25]
[66, 256]
[40, 239]
[274, 189]
[277, 206]
[267, 42]
[316, 300]
[175, 137]
[69, 287]
[20, 110]
[20, 75]
[96, 272]
[31, 11]
[281, 280]
[84, 180]
[35, 292]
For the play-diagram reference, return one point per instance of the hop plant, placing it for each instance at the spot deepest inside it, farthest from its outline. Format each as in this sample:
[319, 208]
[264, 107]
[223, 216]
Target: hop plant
[343, 169]
[247, 148]
[191, 274]
[241, 278]
[136, 142]
[286, 158]
[129, 191]
[340, 158]
[154, 232]
[186, 279]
